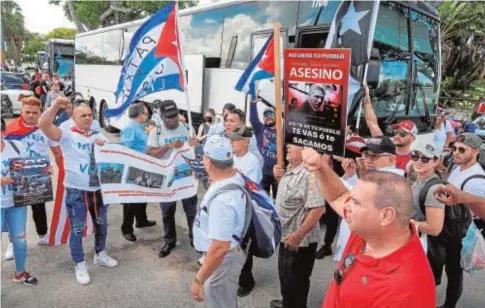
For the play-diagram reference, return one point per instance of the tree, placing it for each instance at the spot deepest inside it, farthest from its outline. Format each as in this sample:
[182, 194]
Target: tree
[34, 43]
[61, 33]
[90, 15]
[13, 29]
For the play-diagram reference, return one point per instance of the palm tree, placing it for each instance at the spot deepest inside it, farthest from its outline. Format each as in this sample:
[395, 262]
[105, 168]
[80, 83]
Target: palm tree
[13, 27]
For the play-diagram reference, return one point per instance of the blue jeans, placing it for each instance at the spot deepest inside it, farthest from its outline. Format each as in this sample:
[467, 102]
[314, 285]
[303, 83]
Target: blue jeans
[78, 203]
[15, 219]
[168, 217]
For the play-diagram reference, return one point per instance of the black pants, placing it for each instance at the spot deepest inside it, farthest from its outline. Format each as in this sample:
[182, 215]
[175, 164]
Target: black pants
[448, 256]
[246, 279]
[295, 269]
[168, 217]
[268, 182]
[40, 218]
[130, 211]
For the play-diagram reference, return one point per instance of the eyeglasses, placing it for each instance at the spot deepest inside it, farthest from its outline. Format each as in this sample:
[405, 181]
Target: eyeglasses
[460, 150]
[400, 133]
[171, 117]
[373, 156]
[339, 274]
[424, 159]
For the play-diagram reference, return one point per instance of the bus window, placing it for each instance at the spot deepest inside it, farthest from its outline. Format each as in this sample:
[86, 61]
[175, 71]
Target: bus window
[244, 19]
[100, 48]
[125, 42]
[201, 34]
[258, 41]
[312, 39]
[391, 39]
[311, 14]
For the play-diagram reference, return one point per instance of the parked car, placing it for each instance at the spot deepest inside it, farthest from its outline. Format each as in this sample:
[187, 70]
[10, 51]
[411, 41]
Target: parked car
[480, 124]
[14, 96]
[18, 81]
[7, 109]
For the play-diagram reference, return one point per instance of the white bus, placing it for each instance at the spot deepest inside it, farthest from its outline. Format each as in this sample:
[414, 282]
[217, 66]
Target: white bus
[219, 40]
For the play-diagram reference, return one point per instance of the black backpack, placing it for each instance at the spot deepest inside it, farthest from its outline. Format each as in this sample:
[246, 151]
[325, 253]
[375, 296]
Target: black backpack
[457, 217]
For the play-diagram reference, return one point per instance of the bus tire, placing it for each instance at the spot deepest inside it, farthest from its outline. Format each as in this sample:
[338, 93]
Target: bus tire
[104, 122]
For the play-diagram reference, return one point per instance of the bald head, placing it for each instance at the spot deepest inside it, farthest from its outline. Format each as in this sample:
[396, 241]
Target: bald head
[82, 116]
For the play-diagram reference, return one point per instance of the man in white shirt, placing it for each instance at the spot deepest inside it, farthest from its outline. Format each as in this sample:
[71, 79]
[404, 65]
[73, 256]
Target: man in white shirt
[220, 220]
[81, 181]
[244, 160]
[161, 140]
[219, 128]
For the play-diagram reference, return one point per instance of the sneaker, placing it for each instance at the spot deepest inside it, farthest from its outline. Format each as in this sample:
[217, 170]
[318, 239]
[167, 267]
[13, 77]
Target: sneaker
[9, 251]
[26, 279]
[102, 258]
[43, 240]
[201, 260]
[82, 275]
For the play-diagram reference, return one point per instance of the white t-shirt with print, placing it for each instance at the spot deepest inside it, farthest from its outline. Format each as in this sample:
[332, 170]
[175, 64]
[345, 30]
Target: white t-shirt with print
[78, 153]
[249, 165]
[474, 186]
[37, 144]
[223, 217]
[439, 136]
[9, 152]
[161, 136]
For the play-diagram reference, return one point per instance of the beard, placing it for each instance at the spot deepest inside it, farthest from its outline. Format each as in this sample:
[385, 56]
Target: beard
[270, 124]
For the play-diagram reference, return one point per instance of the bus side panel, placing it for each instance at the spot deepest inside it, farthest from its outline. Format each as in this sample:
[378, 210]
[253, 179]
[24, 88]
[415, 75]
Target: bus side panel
[219, 89]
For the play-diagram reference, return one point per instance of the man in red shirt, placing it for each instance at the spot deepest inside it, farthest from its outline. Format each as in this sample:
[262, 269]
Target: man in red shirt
[383, 264]
[404, 133]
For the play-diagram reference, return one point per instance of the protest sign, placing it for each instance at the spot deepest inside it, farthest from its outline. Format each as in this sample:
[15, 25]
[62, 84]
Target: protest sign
[127, 176]
[316, 86]
[33, 183]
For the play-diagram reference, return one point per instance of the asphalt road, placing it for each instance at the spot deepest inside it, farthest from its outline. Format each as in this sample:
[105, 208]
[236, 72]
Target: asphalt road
[144, 280]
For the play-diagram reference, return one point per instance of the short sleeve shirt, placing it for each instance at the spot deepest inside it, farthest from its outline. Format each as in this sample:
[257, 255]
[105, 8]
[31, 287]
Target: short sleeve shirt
[79, 164]
[298, 193]
[8, 153]
[220, 217]
[475, 186]
[162, 136]
[249, 166]
[430, 201]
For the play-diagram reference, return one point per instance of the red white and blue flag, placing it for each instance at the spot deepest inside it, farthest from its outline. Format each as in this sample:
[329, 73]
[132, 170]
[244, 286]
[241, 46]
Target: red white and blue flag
[262, 67]
[153, 62]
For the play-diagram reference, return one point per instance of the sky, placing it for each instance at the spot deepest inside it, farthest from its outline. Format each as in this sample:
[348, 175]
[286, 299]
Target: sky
[41, 17]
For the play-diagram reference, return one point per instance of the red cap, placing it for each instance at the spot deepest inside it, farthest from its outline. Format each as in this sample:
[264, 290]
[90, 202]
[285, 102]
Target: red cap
[407, 126]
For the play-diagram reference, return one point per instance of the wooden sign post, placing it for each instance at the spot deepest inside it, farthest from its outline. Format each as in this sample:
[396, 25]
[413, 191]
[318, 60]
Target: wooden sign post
[277, 87]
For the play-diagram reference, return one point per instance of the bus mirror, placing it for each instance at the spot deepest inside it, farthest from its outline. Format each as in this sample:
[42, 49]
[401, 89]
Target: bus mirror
[374, 69]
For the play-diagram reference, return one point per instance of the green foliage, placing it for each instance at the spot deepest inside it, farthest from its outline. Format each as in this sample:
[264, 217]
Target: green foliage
[61, 33]
[34, 43]
[13, 29]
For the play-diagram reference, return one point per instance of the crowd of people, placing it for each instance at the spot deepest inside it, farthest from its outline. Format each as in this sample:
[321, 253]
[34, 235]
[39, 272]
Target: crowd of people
[402, 219]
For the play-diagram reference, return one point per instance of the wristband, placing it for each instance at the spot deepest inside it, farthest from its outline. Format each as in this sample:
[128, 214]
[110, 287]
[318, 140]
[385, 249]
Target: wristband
[197, 281]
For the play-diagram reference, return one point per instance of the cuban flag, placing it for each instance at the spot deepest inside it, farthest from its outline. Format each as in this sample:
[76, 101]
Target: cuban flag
[17, 130]
[153, 62]
[262, 67]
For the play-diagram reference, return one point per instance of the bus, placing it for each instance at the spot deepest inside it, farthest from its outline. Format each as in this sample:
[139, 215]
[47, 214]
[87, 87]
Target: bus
[219, 40]
[58, 58]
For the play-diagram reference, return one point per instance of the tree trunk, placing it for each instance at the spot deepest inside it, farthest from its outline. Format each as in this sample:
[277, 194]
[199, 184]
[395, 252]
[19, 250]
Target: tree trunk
[80, 27]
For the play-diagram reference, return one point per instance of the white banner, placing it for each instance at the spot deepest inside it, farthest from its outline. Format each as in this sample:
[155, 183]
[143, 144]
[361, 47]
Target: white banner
[127, 176]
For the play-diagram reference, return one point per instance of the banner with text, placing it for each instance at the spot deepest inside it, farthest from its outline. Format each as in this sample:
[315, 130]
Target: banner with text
[127, 176]
[316, 85]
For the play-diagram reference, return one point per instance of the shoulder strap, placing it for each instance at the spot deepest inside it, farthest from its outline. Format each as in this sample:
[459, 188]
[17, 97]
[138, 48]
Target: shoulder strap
[424, 192]
[159, 130]
[14, 146]
[476, 176]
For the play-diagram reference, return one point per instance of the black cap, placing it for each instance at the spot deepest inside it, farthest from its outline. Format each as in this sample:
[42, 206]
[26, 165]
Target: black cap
[379, 144]
[168, 109]
[240, 133]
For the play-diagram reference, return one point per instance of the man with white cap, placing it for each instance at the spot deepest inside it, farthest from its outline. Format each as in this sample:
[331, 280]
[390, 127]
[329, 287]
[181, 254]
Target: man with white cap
[220, 219]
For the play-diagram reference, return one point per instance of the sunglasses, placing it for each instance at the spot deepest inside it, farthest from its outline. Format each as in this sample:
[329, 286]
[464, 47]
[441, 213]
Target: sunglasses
[460, 150]
[268, 114]
[339, 274]
[373, 156]
[172, 116]
[400, 133]
[424, 159]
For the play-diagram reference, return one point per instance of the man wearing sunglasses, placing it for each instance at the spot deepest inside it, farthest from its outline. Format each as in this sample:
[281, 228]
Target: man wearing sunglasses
[265, 133]
[173, 135]
[470, 177]
[384, 264]
[405, 133]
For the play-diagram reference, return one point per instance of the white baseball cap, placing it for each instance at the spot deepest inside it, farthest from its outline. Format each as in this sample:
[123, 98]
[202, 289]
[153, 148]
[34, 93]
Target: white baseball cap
[218, 148]
[426, 149]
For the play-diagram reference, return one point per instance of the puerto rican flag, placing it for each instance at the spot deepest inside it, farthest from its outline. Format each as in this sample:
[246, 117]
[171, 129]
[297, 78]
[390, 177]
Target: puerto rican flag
[262, 67]
[153, 63]
[354, 143]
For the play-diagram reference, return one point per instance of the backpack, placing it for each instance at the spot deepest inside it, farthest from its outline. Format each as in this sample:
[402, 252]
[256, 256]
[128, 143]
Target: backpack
[262, 231]
[457, 217]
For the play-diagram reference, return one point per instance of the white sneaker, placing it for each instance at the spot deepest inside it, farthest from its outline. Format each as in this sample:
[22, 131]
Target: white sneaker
[82, 275]
[9, 251]
[201, 260]
[102, 258]
[43, 240]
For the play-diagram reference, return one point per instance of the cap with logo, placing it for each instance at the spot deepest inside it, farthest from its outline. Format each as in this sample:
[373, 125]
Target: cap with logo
[218, 148]
[379, 144]
[240, 133]
[168, 109]
[407, 126]
[426, 149]
[470, 139]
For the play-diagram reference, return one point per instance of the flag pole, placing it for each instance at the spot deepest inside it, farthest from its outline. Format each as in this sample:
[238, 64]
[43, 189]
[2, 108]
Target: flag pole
[182, 63]
[277, 86]
[364, 82]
